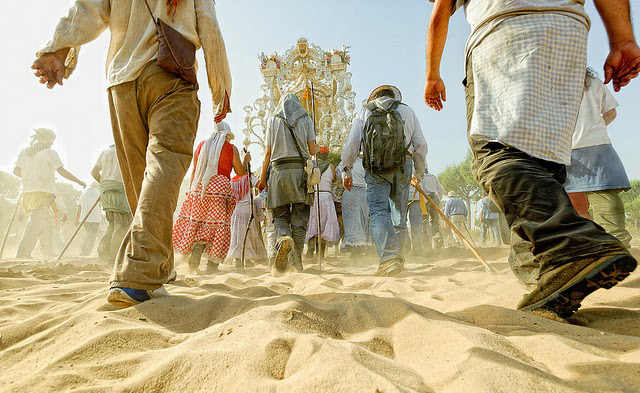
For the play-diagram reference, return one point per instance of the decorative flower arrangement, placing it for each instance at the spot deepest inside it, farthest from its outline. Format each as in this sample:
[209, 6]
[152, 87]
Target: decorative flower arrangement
[264, 59]
[343, 53]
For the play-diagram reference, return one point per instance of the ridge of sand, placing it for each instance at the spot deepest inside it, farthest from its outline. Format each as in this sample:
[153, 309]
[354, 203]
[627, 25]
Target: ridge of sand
[443, 326]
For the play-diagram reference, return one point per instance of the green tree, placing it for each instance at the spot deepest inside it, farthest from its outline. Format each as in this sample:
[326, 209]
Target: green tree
[9, 194]
[631, 201]
[459, 179]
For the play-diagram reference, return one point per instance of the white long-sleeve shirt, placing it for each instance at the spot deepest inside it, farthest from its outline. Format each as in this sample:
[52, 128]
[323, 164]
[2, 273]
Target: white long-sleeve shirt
[134, 40]
[412, 132]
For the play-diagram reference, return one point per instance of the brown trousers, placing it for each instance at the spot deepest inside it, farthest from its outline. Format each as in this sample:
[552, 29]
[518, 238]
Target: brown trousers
[154, 120]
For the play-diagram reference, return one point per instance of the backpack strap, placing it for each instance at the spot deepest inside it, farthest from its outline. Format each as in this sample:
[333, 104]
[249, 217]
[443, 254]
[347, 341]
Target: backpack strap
[371, 106]
[293, 136]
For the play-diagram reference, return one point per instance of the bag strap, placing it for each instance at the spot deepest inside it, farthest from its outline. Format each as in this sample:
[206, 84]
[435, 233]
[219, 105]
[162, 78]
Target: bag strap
[150, 12]
[295, 140]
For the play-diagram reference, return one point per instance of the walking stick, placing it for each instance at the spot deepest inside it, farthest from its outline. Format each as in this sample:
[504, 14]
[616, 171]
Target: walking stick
[86, 217]
[466, 228]
[13, 218]
[475, 252]
[251, 218]
[317, 191]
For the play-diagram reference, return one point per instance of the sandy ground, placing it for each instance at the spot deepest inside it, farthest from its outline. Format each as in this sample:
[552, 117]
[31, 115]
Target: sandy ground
[443, 326]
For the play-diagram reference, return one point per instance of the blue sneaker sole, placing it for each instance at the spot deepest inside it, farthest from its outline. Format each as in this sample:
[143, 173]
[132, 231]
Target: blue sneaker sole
[118, 297]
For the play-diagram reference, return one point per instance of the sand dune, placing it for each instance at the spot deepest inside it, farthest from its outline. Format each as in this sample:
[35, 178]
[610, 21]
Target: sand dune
[443, 326]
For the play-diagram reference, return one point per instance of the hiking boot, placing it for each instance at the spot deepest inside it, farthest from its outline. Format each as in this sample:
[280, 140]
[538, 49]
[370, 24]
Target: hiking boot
[127, 297]
[283, 246]
[390, 268]
[561, 291]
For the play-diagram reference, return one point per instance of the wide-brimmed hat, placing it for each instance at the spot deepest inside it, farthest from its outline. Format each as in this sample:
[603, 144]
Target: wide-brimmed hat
[44, 133]
[395, 90]
[451, 194]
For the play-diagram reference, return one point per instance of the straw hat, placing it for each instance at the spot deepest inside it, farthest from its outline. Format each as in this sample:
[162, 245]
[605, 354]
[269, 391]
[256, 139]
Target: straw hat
[395, 90]
[451, 194]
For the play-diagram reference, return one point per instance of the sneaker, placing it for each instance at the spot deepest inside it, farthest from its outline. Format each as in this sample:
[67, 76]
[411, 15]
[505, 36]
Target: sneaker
[212, 267]
[390, 268]
[562, 291]
[173, 276]
[283, 246]
[127, 297]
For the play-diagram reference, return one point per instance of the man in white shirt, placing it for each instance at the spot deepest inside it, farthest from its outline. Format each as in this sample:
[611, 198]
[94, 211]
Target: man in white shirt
[37, 166]
[387, 193]
[106, 171]
[154, 115]
[432, 187]
[86, 201]
[525, 63]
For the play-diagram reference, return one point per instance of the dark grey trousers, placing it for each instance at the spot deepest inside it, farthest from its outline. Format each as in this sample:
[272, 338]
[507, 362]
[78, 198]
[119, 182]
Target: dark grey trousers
[292, 220]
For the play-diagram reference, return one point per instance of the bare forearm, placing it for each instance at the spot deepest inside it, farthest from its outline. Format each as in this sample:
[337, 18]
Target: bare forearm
[616, 16]
[68, 175]
[95, 173]
[265, 165]
[437, 36]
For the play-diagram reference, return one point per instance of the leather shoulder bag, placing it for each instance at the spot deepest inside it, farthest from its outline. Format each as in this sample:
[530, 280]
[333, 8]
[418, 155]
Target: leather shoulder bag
[176, 54]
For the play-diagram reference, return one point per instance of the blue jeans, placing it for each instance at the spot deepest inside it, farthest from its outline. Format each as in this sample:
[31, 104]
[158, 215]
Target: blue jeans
[388, 198]
[415, 219]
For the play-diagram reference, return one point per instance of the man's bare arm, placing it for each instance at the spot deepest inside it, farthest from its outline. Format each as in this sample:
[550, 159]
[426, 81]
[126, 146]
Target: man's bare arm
[623, 62]
[435, 92]
[265, 167]
[69, 176]
[95, 173]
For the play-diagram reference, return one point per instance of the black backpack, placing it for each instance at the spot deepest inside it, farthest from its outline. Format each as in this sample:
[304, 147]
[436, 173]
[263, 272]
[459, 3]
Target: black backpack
[383, 146]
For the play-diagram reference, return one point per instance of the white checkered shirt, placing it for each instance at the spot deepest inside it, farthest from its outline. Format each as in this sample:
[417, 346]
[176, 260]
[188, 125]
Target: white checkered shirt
[529, 77]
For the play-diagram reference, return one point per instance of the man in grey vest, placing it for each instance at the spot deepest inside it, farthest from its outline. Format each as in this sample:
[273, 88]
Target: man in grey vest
[290, 144]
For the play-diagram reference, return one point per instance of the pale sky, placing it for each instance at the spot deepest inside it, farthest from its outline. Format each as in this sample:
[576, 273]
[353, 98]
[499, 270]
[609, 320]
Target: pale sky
[387, 46]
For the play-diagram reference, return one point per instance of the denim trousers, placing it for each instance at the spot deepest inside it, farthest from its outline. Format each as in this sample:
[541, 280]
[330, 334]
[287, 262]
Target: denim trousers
[490, 229]
[388, 199]
[415, 221]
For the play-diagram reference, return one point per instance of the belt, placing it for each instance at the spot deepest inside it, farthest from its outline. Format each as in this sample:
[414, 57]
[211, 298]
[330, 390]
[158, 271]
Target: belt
[297, 161]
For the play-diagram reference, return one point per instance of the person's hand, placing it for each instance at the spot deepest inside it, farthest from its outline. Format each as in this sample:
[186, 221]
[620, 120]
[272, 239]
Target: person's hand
[435, 93]
[247, 157]
[622, 64]
[226, 108]
[415, 181]
[262, 184]
[347, 183]
[50, 68]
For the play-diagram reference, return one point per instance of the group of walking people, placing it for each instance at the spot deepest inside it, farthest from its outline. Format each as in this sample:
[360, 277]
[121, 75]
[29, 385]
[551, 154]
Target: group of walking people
[525, 72]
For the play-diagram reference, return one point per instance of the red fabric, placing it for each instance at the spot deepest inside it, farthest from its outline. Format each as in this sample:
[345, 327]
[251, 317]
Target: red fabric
[206, 219]
[225, 163]
[580, 202]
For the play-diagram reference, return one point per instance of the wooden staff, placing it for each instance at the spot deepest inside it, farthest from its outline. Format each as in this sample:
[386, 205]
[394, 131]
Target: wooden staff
[319, 255]
[251, 217]
[475, 252]
[13, 218]
[78, 229]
